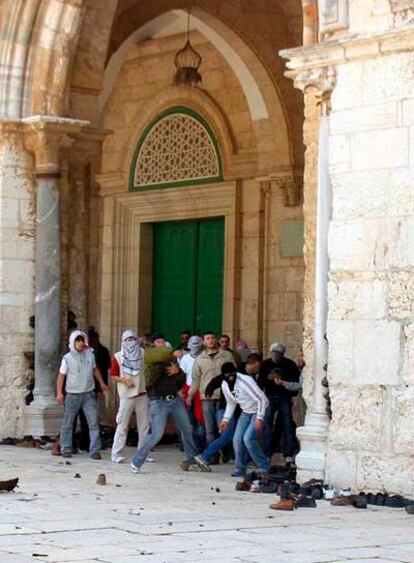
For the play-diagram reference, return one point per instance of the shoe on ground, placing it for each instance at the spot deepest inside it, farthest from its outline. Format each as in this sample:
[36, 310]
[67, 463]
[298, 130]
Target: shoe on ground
[150, 459]
[283, 504]
[243, 486]
[237, 473]
[305, 501]
[396, 501]
[410, 508]
[9, 485]
[66, 454]
[329, 494]
[96, 455]
[135, 469]
[118, 459]
[359, 502]
[342, 501]
[380, 499]
[345, 492]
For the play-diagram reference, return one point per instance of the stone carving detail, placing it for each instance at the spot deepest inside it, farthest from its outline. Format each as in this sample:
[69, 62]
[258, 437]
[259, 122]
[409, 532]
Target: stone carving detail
[177, 149]
[333, 15]
[321, 78]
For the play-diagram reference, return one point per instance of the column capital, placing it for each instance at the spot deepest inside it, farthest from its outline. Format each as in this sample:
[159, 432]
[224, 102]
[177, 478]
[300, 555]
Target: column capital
[46, 136]
[323, 79]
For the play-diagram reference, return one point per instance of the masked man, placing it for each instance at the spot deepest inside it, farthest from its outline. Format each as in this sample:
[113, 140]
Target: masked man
[127, 370]
[242, 390]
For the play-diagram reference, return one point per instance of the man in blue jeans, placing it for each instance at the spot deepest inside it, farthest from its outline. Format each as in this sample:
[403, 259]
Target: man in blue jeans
[252, 366]
[78, 372]
[164, 379]
[242, 390]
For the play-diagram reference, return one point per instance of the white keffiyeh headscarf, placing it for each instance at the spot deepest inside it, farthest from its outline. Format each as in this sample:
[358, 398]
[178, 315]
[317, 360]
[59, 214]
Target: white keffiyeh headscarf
[131, 354]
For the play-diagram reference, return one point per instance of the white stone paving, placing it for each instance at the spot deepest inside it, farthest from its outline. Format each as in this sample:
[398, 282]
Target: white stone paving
[167, 516]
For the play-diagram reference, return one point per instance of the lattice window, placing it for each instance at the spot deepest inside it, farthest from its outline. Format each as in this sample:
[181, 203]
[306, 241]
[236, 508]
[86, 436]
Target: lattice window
[177, 148]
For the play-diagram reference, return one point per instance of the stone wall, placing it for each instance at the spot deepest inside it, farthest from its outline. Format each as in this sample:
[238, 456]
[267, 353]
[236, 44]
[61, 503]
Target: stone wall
[371, 290]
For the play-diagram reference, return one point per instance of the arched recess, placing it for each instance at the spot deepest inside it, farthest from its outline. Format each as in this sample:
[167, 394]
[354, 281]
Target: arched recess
[269, 119]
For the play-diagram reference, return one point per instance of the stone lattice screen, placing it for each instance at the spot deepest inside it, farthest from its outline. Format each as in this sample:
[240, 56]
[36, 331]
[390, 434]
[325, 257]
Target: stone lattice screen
[177, 148]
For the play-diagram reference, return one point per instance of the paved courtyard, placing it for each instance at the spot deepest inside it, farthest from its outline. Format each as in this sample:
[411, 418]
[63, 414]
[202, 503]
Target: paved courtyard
[165, 515]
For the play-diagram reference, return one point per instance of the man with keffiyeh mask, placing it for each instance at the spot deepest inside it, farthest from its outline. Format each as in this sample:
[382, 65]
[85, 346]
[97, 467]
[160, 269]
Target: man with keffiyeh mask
[127, 371]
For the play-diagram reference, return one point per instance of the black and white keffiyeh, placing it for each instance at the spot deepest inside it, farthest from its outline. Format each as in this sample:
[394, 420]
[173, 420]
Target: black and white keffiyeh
[131, 354]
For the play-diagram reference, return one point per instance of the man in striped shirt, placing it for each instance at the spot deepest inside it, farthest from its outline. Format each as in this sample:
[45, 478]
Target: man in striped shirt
[242, 390]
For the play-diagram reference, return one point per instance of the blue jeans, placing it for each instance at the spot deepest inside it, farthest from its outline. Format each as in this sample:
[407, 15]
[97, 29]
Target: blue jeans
[73, 403]
[213, 415]
[283, 405]
[199, 433]
[246, 444]
[160, 409]
[224, 439]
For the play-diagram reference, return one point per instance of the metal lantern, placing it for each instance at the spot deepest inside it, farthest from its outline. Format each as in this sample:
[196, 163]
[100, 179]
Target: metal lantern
[187, 62]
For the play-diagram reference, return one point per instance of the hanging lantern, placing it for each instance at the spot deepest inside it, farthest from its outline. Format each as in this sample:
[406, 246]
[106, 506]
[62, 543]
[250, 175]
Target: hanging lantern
[187, 62]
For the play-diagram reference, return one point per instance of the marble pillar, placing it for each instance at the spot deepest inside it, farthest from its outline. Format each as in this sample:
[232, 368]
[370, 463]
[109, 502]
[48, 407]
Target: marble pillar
[311, 459]
[46, 137]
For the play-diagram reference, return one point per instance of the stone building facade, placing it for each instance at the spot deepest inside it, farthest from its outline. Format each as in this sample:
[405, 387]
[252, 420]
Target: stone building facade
[308, 108]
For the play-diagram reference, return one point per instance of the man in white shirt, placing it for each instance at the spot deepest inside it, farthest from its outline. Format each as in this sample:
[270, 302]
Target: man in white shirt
[242, 390]
[78, 371]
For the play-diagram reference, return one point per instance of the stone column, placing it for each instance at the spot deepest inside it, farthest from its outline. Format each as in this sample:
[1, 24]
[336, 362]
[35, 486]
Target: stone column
[313, 435]
[46, 137]
[17, 234]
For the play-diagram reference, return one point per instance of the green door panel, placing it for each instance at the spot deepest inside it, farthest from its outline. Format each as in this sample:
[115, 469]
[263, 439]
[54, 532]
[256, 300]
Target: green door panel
[174, 277]
[210, 266]
[188, 277]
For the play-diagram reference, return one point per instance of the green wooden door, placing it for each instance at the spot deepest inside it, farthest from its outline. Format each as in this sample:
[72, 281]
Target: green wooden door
[188, 277]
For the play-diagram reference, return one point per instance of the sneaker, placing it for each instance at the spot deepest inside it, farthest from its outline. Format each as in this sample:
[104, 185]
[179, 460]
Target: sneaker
[66, 454]
[202, 464]
[345, 492]
[118, 459]
[329, 494]
[185, 465]
[238, 473]
[135, 469]
[359, 502]
[96, 455]
[150, 459]
[342, 501]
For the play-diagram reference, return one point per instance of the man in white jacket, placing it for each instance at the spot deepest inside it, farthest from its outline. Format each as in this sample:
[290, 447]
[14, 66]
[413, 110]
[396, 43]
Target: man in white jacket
[242, 390]
[127, 370]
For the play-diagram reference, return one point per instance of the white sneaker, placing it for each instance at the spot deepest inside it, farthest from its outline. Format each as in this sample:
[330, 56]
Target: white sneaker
[202, 464]
[118, 459]
[345, 492]
[150, 459]
[135, 469]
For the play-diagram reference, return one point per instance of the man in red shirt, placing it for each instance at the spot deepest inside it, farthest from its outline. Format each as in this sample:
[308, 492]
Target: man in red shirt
[127, 370]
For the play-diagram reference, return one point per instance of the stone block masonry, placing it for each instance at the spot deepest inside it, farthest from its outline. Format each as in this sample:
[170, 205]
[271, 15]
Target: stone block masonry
[371, 291]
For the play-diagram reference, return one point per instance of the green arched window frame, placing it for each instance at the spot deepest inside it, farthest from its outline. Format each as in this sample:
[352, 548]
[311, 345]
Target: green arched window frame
[177, 110]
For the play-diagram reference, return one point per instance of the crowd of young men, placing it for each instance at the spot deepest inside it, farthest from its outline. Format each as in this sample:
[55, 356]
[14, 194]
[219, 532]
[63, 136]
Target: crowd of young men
[223, 402]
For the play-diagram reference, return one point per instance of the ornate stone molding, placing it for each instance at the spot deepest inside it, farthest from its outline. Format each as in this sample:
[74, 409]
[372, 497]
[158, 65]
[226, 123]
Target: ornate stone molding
[46, 136]
[333, 15]
[323, 79]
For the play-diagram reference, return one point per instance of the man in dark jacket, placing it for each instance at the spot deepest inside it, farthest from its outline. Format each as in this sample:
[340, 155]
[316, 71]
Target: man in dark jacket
[280, 380]
[164, 379]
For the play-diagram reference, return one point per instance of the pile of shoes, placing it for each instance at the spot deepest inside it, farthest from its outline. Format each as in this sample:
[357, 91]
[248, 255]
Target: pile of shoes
[294, 496]
[258, 483]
